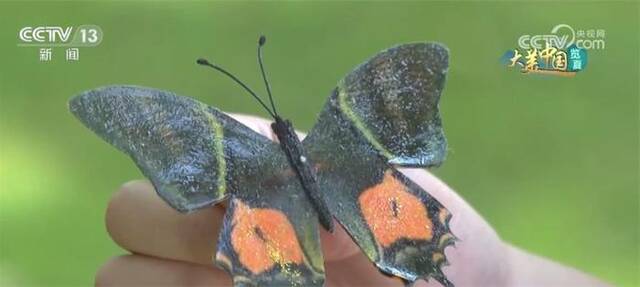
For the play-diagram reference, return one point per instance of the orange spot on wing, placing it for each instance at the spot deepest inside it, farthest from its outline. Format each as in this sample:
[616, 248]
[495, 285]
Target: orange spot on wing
[393, 213]
[264, 237]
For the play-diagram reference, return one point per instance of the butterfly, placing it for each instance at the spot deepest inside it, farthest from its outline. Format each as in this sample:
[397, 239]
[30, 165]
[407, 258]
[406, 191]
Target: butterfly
[381, 116]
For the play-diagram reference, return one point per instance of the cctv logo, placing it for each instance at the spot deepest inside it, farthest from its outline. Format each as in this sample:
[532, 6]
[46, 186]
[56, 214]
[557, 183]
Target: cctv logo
[45, 34]
[84, 35]
[528, 41]
[564, 39]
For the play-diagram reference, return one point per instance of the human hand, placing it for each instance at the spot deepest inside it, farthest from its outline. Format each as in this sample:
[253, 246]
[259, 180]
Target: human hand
[173, 249]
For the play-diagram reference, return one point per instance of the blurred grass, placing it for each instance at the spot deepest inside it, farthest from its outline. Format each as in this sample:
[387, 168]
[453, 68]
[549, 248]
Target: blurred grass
[551, 162]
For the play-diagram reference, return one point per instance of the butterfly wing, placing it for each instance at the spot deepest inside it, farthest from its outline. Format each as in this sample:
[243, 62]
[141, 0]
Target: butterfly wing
[392, 99]
[270, 231]
[178, 143]
[381, 115]
[196, 156]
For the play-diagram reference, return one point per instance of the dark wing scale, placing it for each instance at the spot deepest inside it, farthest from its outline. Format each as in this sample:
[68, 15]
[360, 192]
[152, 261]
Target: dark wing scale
[196, 156]
[366, 128]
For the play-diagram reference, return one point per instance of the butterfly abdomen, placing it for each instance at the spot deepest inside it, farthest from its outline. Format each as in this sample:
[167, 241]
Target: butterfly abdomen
[299, 161]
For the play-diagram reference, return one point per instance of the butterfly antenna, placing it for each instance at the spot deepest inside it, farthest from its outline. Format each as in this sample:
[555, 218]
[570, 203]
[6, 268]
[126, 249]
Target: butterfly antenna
[261, 43]
[204, 62]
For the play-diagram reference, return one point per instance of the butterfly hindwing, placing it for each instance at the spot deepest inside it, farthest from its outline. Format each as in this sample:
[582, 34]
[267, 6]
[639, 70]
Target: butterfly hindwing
[267, 246]
[272, 240]
[196, 156]
[270, 231]
[368, 126]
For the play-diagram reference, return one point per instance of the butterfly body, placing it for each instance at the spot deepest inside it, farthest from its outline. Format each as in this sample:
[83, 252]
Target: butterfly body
[381, 116]
[299, 160]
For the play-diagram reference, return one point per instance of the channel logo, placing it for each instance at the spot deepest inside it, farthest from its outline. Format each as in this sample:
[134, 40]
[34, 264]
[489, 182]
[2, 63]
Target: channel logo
[563, 36]
[58, 36]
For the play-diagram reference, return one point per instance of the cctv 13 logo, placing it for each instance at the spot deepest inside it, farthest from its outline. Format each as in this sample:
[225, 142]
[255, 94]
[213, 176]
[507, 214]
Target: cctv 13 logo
[80, 36]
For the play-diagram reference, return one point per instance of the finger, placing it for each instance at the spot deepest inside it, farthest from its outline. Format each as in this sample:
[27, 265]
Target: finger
[139, 270]
[139, 221]
[257, 124]
[528, 267]
[357, 270]
[338, 245]
[261, 126]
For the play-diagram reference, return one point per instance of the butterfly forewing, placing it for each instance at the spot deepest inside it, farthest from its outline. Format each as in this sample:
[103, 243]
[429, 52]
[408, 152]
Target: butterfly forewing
[392, 99]
[176, 142]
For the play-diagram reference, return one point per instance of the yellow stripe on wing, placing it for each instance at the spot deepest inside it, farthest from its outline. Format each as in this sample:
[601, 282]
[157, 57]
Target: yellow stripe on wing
[218, 149]
[347, 111]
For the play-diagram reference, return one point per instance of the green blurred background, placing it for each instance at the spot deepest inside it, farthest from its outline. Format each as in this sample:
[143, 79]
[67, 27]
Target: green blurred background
[551, 162]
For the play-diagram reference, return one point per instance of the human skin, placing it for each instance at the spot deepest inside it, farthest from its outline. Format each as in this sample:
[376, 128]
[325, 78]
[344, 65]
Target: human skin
[168, 248]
